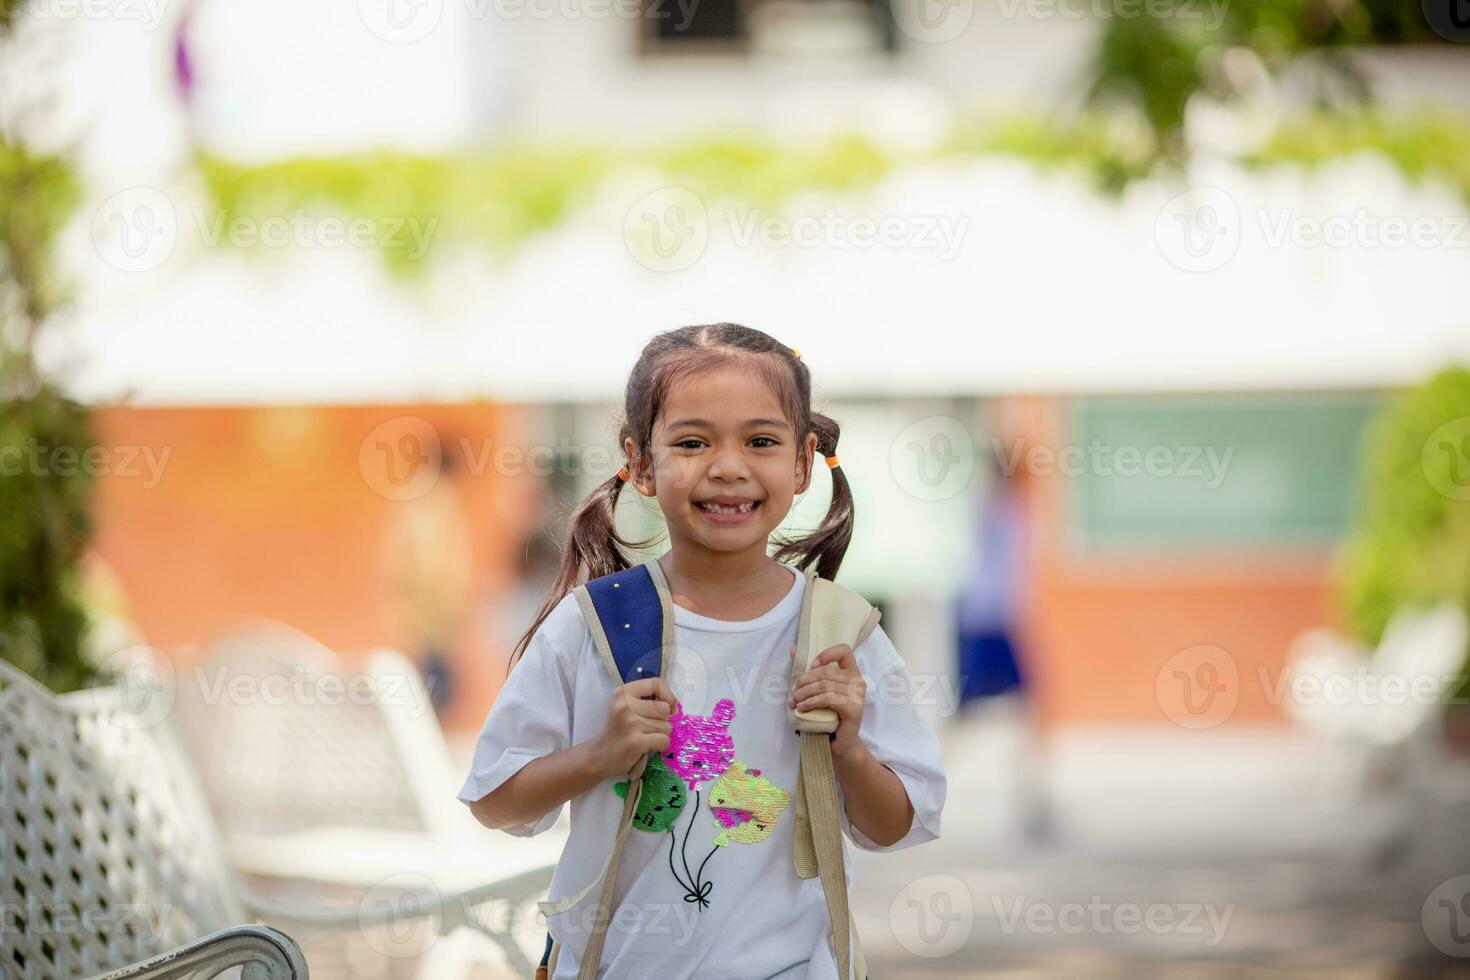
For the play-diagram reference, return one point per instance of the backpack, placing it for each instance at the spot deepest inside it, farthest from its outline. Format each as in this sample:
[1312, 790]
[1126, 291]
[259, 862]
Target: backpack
[630, 616]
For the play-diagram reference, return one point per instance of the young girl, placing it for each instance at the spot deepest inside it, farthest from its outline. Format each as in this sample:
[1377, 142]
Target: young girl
[718, 428]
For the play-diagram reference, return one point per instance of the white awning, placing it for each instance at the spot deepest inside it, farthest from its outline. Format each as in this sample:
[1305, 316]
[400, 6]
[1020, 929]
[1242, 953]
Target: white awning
[1050, 287]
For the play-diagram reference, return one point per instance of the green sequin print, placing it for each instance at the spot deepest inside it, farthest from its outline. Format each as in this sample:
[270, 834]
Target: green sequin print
[662, 799]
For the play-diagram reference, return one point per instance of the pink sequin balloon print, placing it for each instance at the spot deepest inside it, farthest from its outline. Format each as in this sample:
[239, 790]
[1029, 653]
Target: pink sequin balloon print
[700, 746]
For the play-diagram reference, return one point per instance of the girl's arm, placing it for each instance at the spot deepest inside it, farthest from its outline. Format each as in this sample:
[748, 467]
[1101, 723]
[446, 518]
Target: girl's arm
[542, 785]
[876, 801]
[637, 723]
[876, 738]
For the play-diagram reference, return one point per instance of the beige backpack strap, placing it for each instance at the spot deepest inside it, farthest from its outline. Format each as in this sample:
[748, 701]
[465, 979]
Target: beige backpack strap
[608, 874]
[830, 615]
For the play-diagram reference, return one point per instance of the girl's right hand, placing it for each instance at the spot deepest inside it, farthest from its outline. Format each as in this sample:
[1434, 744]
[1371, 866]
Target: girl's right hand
[637, 723]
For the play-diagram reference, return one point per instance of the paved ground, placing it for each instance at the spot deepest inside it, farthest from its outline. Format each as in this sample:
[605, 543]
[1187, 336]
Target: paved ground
[1020, 889]
[1051, 915]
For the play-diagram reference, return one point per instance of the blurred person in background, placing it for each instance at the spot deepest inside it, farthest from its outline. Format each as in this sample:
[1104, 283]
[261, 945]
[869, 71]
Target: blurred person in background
[988, 603]
[512, 612]
[431, 566]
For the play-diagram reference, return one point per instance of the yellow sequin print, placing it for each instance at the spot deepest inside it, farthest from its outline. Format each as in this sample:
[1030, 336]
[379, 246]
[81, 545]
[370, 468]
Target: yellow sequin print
[746, 804]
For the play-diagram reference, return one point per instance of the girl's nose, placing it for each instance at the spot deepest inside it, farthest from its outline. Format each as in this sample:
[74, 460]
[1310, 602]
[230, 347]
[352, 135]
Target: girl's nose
[727, 465]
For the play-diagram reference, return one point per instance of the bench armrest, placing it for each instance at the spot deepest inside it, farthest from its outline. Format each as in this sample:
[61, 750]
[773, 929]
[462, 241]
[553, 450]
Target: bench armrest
[263, 953]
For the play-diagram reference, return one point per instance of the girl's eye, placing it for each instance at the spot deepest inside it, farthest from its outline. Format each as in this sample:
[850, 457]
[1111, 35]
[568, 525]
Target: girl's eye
[693, 443]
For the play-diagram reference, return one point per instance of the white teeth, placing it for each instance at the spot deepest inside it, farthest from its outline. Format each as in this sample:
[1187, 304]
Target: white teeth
[725, 509]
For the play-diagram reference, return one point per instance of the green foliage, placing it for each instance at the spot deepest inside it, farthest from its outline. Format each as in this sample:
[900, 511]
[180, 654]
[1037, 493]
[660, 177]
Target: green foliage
[1424, 145]
[1154, 65]
[43, 497]
[1112, 150]
[37, 194]
[1156, 62]
[497, 198]
[494, 200]
[753, 169]
[45, 530]
[1411, 544]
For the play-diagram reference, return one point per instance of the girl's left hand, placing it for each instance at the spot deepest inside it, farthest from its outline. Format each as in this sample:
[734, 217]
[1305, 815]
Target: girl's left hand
[835, 682]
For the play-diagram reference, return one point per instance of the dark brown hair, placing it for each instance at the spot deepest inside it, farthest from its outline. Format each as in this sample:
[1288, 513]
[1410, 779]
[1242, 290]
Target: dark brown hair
[593, 542]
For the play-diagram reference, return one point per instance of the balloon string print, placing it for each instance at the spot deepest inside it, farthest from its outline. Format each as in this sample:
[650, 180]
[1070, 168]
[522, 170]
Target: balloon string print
[700, 889]
[700, 749]
[658, 810]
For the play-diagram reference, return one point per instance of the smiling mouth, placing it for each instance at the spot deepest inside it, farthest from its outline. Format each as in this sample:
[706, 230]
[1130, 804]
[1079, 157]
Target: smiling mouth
[744, 508]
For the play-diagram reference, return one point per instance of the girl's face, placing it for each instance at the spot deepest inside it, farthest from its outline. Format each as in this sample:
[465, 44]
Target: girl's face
[722, 438]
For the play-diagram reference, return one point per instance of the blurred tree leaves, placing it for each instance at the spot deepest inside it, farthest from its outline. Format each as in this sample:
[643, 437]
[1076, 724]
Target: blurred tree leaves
[37, 195]
[1411, 543]
[498, 198]
[1155, 63]
[1432, 144]
[47, 524]
[44, 436]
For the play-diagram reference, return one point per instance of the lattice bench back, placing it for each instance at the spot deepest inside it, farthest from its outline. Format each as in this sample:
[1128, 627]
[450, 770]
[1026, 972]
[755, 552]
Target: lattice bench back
[107, 853]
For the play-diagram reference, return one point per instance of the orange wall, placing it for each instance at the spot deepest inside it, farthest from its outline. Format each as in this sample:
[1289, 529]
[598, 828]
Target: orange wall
[1098, 633]
[271, 511]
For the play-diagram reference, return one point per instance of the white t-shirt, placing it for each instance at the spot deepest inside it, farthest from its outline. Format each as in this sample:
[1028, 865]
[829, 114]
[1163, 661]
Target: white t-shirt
[757, 919]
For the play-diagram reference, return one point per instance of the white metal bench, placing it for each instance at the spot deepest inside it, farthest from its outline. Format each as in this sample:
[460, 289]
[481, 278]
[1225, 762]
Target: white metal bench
[351, 790]
[108, 864]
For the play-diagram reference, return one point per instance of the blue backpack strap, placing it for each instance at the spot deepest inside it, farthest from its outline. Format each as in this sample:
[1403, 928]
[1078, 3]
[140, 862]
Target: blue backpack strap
[628, 614]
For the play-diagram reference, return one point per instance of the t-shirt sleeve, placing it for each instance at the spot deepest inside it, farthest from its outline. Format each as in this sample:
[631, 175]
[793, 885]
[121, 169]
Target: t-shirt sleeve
[532, 716]
[900, 736]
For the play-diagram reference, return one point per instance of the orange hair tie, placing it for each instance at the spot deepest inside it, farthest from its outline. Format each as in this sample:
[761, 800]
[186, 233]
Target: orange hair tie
[623, 473]
[832, 462]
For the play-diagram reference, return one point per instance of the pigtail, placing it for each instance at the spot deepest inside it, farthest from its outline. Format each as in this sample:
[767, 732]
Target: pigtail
[592, 548]
[827, 545]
